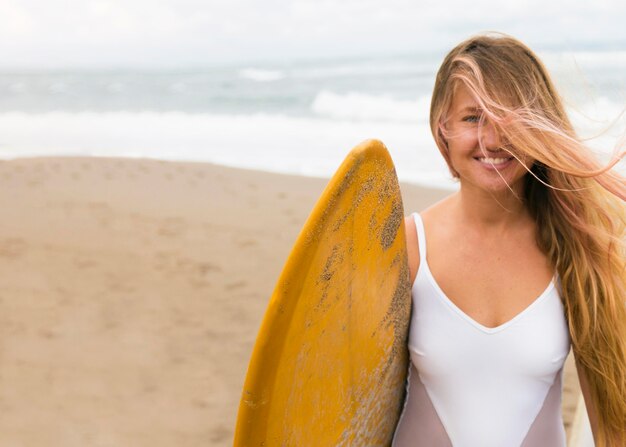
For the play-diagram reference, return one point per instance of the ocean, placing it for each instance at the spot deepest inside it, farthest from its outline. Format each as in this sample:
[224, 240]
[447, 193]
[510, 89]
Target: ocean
[298, 117]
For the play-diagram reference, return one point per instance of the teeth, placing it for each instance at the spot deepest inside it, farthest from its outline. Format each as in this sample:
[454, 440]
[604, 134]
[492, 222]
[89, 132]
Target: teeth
[494, 161]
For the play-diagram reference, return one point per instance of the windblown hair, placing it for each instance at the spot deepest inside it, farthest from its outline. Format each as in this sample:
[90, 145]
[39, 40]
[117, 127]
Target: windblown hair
[577, 203]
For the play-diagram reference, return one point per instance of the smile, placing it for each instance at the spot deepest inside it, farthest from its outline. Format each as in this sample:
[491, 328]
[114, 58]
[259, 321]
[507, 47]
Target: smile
[493, 161]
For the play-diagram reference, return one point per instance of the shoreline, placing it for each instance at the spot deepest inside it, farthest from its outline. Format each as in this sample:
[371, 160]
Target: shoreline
[450, 187]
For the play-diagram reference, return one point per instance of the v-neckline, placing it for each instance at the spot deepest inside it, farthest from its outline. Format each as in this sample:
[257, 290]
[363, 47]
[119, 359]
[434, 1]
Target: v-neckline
[466, 317]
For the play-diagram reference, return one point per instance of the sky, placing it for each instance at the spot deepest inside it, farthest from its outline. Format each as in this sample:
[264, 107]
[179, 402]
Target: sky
[97, 34]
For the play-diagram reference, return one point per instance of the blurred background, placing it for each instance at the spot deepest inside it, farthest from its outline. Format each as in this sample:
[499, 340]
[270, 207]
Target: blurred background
[282, 85]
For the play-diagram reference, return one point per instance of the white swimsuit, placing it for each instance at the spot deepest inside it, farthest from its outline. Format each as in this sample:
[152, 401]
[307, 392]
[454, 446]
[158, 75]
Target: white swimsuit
[474, 386]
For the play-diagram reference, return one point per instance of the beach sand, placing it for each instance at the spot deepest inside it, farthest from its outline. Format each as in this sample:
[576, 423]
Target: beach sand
[131, 292]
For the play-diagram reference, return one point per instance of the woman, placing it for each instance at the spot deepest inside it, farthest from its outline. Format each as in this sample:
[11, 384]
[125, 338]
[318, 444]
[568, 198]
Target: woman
[526, 259]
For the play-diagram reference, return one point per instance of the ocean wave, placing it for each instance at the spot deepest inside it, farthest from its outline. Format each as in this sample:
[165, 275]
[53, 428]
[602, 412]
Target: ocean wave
[261, 75]
[600, 123]
[275, 143]
[18, 87]
[116, 87]
[360, 106]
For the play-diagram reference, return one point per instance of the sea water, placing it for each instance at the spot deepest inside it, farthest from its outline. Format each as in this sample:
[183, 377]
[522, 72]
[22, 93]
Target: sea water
[298, 117]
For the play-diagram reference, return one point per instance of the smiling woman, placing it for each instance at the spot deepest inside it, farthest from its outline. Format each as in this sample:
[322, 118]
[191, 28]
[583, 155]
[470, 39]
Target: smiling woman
[488, 338]
[471, 138]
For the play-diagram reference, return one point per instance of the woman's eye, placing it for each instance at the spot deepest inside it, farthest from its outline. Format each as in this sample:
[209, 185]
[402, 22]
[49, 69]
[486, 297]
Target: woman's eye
[472, 118]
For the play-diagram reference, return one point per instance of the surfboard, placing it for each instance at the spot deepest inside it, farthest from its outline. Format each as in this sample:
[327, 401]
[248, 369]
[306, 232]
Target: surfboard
[330, 360]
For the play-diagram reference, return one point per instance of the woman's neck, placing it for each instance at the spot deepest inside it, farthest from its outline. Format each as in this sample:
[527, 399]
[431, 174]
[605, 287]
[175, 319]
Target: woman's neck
[493, 212]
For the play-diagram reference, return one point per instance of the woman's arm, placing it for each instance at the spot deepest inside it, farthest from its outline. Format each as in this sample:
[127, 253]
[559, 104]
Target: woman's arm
[411, 247]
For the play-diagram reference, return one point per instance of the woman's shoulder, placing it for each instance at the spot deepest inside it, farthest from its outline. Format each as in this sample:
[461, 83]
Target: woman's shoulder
[437, 212]
[433, 214]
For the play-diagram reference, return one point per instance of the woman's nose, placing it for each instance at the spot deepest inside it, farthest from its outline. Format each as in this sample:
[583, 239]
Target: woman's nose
[490, 136]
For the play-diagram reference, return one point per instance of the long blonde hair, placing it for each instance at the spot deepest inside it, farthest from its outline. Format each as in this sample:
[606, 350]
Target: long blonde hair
[577, 203]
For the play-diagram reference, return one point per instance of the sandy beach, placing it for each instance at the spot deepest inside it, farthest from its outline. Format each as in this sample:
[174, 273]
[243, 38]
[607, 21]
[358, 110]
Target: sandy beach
[131, 292]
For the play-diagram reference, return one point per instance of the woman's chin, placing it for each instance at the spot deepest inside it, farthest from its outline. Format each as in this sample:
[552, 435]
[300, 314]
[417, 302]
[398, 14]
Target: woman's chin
[499, 185]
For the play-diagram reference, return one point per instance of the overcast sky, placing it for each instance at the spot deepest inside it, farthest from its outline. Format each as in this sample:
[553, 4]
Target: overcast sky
[44, 34]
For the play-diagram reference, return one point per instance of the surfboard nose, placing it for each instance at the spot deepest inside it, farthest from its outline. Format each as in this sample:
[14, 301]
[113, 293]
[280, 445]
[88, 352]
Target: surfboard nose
[370, 147]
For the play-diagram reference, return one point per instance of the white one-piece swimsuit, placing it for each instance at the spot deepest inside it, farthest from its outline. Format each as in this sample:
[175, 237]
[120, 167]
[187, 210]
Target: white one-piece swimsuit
[475, 386]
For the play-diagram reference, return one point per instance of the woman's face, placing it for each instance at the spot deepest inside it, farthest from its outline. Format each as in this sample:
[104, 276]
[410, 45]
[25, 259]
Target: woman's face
[492, 169]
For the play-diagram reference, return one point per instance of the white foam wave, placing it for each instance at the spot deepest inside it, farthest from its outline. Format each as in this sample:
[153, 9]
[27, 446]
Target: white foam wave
[58, 87]
[18, 87]
[601, 123]
[359, 107]
[261, 75]
[304, 146]
[116, 87]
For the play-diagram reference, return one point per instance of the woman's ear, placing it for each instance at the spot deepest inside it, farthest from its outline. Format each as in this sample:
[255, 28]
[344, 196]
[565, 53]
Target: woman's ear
[441, 131]
[443, 140]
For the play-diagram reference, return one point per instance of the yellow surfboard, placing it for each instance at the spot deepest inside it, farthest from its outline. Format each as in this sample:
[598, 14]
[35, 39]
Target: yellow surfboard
[330, 360]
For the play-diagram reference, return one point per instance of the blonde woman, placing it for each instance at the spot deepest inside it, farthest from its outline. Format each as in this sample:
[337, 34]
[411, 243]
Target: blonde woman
[524, 261]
